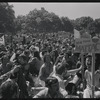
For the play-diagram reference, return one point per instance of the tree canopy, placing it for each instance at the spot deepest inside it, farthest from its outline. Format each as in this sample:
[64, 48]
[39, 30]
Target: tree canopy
[7, 17]
[42, 21]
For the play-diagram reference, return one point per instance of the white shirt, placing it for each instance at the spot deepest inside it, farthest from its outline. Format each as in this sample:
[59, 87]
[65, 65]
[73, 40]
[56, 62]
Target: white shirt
[88, 76]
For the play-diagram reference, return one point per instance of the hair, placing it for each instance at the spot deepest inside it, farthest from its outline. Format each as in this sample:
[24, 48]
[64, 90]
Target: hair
[43, 52]
[36, 54]
[8, 89]
[26, 52]
[45, 55]
[23, 56]
[60, 69]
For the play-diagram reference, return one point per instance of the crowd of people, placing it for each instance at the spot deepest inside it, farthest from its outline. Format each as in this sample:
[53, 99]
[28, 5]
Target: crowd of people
[46, 67]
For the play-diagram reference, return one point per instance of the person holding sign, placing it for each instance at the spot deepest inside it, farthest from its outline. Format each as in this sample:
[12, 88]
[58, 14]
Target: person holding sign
[88, 78]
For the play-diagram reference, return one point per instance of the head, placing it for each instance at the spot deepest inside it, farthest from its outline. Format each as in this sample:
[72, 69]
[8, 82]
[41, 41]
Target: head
[36, 54]
[60, 69]
[52, 84]
[32, 49]
[89, 62]
[5, 59]
[27, 53]
[9, 89]
[22, 59]
[47, 58]
[67, 56]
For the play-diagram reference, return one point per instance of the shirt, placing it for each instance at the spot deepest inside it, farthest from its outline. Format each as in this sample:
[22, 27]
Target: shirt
[45, 71]
[88, 76]
[60, 80]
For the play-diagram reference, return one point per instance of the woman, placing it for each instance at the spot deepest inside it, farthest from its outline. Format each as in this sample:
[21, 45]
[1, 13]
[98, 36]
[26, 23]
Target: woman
[47, 68]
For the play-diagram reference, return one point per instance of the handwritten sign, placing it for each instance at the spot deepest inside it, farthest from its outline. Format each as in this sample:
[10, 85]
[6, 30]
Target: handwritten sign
[84, 45]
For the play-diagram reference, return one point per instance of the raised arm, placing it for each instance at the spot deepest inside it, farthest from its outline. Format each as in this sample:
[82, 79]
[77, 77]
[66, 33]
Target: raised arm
[73, 71]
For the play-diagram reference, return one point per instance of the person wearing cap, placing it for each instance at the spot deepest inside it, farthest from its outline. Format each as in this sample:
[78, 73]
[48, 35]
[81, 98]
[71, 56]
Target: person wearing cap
[52, 89]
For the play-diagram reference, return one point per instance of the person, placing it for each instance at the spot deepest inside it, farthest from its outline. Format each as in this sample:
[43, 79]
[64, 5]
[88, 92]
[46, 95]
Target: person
[73, 84]
[9, 89]
[88, 78]
[46, 69]
[35, 63]
[20, 65]
[4, 61]
[27, 54]
[52, 89]
[61, 72]
[97, 83]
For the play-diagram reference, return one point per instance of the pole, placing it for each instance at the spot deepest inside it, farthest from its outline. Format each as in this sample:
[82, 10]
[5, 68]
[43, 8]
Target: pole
[82, 62]
[93, 70]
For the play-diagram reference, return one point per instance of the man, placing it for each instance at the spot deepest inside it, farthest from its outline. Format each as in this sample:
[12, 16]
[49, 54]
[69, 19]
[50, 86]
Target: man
[9, 89]
[52, 91]
[61, 71]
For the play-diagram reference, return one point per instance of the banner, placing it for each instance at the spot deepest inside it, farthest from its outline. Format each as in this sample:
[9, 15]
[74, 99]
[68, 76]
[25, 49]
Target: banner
[84, 45]
[2, 39]
[76, 34]
[85, 35]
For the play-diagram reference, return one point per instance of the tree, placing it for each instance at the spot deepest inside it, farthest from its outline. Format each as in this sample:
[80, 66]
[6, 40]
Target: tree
[82, 23]
[91, 28]
[20, 22]
[67, 25]
[97, 25]
[7, 18]
[43, 21]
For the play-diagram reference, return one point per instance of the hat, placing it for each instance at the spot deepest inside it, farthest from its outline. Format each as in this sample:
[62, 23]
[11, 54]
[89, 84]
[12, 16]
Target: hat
[51, 80]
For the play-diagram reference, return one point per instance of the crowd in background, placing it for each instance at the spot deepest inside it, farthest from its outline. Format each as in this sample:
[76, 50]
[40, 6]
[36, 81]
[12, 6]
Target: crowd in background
[45, 67]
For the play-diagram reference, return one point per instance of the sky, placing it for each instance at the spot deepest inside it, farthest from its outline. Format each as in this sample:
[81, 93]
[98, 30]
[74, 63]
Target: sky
[70, 10]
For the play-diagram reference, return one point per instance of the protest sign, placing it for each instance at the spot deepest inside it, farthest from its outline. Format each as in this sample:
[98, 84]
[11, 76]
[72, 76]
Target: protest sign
[87, 45]
[76, 34]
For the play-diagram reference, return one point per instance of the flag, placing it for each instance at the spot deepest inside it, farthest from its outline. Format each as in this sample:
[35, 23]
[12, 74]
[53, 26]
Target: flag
[2, 39]
[76, 34]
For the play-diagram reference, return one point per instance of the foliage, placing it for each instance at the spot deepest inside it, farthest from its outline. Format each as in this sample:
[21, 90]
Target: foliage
[6, 18]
